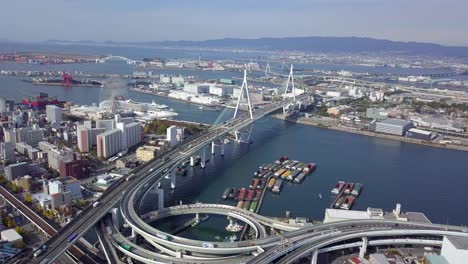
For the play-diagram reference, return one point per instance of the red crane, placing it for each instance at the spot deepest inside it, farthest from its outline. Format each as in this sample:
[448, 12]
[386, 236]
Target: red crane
[66, 79]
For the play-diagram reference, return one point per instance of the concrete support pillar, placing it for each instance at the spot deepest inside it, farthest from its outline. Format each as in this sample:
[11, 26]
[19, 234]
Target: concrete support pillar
[115, 217]
[173, 180]
[203, 158]
[192, 161]
[236, 133]
[272, 231]
[133, 236]
[363, 249]
[213, 146]
[197, 217]
[160, 198]
[313, 260]
[222, 147]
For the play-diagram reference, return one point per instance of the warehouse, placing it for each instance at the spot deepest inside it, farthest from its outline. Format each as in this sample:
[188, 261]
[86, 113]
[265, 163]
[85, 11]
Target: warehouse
[393, 126]
[420, 134]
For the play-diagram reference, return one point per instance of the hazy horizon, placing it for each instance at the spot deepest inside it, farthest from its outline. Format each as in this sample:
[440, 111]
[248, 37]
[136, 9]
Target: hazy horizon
[431, 21]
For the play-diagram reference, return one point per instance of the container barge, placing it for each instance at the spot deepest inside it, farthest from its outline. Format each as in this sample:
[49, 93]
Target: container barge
[278, 185]
[357, 189]
[338, 187]
[348, 202]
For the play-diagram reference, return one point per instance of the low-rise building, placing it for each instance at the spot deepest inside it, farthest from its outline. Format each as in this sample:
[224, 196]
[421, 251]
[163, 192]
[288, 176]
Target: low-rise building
[378, 259]
[338, 110]
[66, 184]
[146, 153]
[10, 235]
[24, 183]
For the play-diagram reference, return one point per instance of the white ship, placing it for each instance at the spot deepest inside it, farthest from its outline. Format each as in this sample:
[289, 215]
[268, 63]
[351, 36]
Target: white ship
[145, 111]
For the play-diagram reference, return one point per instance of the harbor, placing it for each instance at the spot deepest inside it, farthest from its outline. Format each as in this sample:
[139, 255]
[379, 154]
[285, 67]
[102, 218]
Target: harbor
[268, 177]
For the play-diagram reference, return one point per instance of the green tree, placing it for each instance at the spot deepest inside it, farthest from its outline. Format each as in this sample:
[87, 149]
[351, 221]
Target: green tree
[10, 223]
[28, 198]
[20, 231]
[2, 179]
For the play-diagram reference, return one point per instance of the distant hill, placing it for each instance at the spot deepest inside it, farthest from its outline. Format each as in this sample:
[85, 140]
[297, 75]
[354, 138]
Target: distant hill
[320, 44]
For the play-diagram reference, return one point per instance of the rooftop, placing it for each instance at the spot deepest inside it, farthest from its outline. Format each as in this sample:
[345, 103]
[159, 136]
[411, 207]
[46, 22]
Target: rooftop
[459, 242]
[436, 259]
[424, 132]
[395, 122]
[11, 235]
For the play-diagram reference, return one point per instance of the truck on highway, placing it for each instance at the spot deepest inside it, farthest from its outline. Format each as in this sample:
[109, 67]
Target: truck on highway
[72, 237]
[208, 245]
[130, 177]
[40, 250]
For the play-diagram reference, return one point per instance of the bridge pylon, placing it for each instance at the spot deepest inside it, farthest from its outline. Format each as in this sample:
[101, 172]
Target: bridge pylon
[290, 108]
[244, 91]
[267, 69]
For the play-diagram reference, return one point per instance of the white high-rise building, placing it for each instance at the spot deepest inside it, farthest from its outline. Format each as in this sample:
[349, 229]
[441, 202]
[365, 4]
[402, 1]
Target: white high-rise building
[56, 156]
[172, 135]
[131, 134]
[109, 143]
[86, 137]
[54, 114]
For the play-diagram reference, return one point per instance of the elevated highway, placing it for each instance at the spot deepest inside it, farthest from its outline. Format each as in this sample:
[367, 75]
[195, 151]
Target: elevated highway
[149, 173]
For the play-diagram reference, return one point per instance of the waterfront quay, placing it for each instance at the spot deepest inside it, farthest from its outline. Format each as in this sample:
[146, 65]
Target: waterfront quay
[323, 124]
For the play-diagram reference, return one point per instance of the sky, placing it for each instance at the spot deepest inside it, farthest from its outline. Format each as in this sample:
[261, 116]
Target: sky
[437, 21]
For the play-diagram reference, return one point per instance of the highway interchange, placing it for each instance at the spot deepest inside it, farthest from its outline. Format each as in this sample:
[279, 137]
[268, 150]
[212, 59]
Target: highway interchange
[150, 172]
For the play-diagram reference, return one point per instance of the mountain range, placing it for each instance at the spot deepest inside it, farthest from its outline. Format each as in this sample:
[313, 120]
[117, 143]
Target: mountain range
[310, 44]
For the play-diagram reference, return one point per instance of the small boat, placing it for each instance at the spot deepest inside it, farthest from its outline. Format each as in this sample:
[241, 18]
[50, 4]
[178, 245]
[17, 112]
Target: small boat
[234, 228]
[320, 196]
[200, 107]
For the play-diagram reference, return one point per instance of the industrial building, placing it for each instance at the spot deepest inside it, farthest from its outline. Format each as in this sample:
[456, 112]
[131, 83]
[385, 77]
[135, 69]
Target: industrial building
[420, 134]
[109, 143]
[393, 126]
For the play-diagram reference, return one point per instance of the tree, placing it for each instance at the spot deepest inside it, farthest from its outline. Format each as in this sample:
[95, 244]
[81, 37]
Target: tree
[28, 198]
[20, 231]
[2, 179]
[10, 223]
